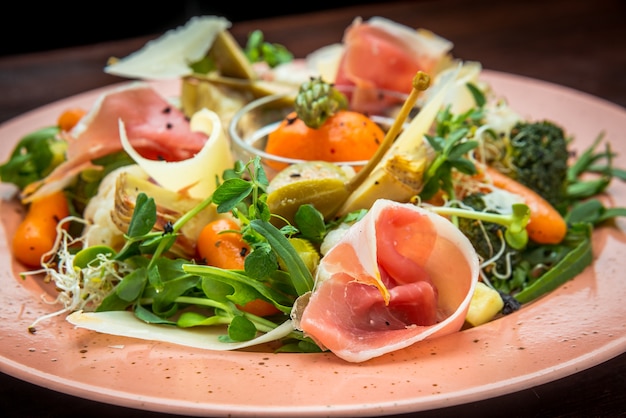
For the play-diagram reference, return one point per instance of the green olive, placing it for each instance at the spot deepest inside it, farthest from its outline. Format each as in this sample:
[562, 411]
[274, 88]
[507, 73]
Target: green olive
[319, 183]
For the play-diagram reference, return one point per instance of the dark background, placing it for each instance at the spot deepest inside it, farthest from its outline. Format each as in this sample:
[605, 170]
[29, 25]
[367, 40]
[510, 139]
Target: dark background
[41, 26]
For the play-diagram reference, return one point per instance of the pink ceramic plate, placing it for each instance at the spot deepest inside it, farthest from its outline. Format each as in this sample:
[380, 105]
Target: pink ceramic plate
[576, 327]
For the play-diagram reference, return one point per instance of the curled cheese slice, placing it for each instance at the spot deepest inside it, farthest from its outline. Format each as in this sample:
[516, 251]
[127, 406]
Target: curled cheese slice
[125, 324]
[199, 174]
[169, 56]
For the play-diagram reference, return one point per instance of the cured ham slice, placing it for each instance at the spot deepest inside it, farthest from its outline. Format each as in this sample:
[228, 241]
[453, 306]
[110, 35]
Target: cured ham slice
[401, 51]
[400, 275]
[156, 129]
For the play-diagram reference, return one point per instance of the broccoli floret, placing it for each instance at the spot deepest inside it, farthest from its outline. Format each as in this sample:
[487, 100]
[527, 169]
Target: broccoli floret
[537, 156]
[488, 239]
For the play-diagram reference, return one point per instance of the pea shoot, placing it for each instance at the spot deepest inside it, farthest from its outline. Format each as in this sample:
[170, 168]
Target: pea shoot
[162, 290]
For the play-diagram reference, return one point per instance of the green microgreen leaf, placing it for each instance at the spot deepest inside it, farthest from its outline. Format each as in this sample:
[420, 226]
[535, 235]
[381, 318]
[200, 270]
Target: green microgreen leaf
[463, 165]
[436, 142]
[516, 234]
[300, 274]
[240, 329]
[514, 222]
[452, 146]
[149, 317]
[261, 263]
[195, 319]
[310, 223]
[131, 287]
[458, 152]
[154, 278]
[257, 50]
[144, 216]
[230, 193]
[477, 94]
[157, 244]
[239, 288]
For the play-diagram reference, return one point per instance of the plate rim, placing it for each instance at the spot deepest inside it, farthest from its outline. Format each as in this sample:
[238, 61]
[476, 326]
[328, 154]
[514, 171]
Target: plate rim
[68, 386]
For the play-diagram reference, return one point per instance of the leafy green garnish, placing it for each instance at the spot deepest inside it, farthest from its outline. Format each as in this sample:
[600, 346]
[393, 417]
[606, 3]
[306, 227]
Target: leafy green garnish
[34, 157]
[592, 211]
[515, 222]
[578, 188]
[258, 50]
[159, 289]
[451, 143]
[570, 258]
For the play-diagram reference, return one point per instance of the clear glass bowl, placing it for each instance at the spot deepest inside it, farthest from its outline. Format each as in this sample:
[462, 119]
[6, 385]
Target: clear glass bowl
[251, 125]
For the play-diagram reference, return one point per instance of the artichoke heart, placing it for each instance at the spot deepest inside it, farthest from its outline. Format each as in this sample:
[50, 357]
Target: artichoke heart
[170, 207]
[197, 94]
[229, 58]
[232, 84]
[408, 170]
[398, 175]
[215, 91]
[397, 178]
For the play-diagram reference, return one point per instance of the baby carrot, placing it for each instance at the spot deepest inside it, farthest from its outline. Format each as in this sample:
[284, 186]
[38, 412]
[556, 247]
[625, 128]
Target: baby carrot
[220, 245]
[36, 233]
[546, 225]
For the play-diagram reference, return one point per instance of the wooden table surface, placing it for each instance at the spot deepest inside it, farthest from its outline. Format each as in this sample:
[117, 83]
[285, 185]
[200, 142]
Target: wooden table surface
[575, 43]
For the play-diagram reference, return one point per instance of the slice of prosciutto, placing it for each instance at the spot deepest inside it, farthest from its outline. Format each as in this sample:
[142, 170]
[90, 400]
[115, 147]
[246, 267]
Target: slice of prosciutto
[400, 275]
[155, 128]
[383, 54]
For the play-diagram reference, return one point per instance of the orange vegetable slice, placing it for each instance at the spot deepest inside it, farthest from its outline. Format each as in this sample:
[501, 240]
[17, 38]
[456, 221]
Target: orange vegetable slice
[345, 136]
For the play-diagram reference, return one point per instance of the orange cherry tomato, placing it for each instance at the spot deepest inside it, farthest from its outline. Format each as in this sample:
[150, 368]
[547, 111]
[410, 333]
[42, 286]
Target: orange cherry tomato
[222, 249]
[227, 250]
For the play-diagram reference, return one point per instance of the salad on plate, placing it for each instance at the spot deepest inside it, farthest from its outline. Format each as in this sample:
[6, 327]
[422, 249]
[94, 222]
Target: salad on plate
[146, 221]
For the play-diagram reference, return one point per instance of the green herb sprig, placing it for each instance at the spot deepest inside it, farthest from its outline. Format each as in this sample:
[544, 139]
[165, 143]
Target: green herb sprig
[258, 50]
[178, 292]
[451, 143]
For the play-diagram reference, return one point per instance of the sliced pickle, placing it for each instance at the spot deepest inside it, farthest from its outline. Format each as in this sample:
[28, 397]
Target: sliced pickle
[319, 183]
[307, 252]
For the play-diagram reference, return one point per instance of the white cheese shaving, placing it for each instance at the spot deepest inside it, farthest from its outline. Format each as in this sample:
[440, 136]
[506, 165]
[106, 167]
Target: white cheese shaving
[325, 61]
[198, 174]
[169, 56]
[125, 324]
[458, 97]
